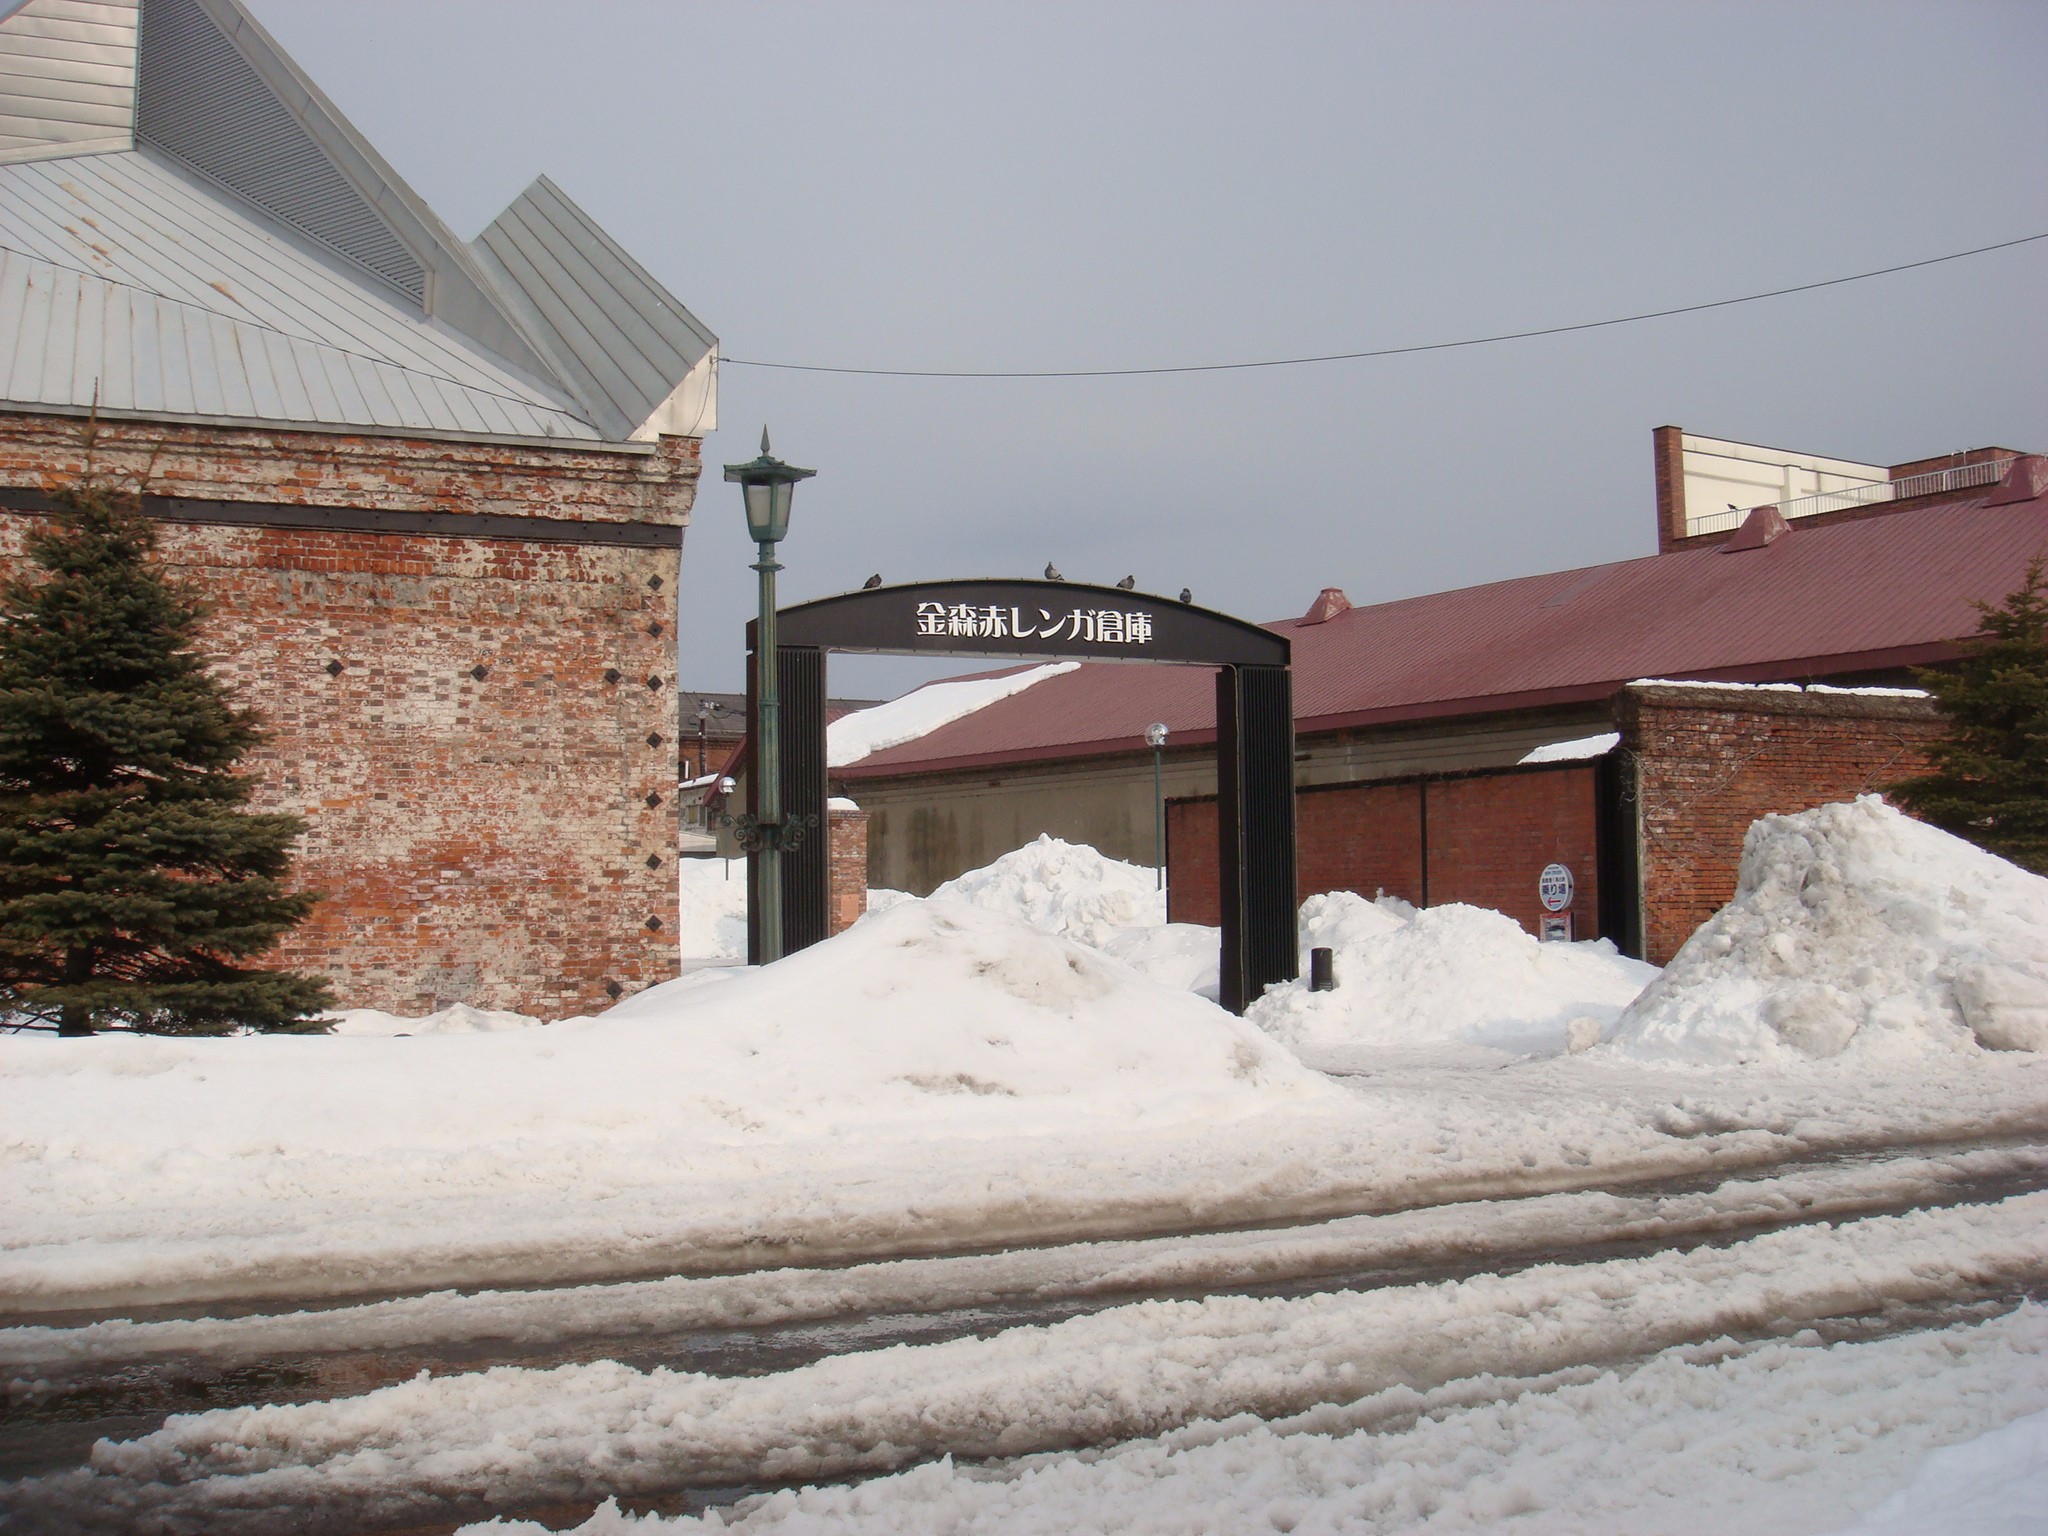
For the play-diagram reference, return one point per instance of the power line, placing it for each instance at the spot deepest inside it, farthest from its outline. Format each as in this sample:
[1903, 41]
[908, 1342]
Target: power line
[1345, 357]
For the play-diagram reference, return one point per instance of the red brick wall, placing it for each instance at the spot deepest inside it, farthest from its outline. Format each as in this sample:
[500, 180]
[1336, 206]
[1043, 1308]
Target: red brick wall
[1360, 837]
[1489, 837]
[486, 841]
[846, 894]
[1193, 880]
[1709, 761]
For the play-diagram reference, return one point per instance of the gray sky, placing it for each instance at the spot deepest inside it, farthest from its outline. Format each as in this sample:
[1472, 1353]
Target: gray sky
[1052, 185]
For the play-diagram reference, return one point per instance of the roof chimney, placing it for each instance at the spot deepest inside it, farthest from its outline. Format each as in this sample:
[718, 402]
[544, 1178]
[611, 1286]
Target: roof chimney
[1764, 525]
[2025, 481]
[1329, 602]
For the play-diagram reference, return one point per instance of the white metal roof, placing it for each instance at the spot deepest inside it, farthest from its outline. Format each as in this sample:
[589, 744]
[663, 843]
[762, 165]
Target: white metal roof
[231, 248]
[608, 327]
[67, 76]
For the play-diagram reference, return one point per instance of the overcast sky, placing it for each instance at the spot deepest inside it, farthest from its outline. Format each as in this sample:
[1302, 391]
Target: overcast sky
[1045, 185]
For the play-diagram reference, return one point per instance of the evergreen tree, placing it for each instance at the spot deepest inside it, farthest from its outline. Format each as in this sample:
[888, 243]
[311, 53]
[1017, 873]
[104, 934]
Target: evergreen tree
[132, 879]
[1990, 777]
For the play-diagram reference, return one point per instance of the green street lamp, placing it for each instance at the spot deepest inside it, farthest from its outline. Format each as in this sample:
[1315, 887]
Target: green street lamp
[767, 484]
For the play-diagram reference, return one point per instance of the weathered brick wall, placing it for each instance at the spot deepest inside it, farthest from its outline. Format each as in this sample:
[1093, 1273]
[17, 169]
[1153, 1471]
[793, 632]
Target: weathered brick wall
[1491, 836]
[505, 840]
[1360, 837]
[1708, 761]
[846, 877]
[1193, 879]
[1486, 839]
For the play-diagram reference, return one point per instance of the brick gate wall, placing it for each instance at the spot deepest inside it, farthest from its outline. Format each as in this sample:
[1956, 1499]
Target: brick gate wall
[485, 840]
[1709, 760]
[1487, 839]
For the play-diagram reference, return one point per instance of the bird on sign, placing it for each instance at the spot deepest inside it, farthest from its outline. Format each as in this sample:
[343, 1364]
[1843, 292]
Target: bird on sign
[1187, 595]
[1051, 574]
[1127, 583]
[872, 582]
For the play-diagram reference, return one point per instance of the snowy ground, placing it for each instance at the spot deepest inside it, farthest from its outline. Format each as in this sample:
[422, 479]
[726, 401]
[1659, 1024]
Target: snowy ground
[1030, 1060]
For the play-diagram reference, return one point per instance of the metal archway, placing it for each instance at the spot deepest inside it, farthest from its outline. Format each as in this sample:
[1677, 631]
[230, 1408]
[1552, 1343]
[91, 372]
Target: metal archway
[1058, 621]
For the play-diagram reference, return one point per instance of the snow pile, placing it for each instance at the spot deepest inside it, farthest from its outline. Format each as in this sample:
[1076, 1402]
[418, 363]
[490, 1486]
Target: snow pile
[455, 1019]
[923, 710]
[1449, 976]
[1855, 931]
[1994, 1485]
[1180, 955]
[760, 1106]
[1339, 920]
[1063, 888]
[711, 908]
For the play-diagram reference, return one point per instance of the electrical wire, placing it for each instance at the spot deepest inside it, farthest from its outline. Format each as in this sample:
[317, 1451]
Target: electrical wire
[1345, 357]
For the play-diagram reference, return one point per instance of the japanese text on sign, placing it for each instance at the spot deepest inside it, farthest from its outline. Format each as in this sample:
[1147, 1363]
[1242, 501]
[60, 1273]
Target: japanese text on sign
[1102, 626]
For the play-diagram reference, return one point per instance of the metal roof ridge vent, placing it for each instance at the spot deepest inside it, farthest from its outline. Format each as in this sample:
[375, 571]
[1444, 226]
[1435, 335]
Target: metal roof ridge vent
[201, 100]
[1329, 602]
[1764, 525]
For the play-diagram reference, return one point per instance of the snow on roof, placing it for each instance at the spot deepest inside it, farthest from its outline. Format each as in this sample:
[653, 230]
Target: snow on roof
[921, 711]
[1708, 683]
[190, 229]
[1575, 750]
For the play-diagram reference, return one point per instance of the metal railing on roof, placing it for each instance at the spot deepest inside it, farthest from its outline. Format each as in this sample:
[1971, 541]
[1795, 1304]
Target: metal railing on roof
[1934, 483]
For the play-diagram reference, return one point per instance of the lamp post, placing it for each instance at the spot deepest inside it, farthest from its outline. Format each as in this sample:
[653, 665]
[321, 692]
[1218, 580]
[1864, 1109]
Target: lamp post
[767, 485]
[1155, 736]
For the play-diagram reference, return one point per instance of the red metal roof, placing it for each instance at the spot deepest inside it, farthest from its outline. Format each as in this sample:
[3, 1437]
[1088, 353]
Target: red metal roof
[1851, 597]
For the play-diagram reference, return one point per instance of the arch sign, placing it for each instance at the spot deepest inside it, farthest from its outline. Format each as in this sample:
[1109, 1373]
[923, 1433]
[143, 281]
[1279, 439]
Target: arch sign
[1058, 621]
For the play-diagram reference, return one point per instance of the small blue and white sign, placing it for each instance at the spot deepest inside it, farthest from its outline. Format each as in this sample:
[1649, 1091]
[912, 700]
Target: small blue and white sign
[1555, 886]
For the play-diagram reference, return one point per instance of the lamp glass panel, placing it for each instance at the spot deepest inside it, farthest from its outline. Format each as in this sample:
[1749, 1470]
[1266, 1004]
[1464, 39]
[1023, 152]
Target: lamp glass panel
[760, 511]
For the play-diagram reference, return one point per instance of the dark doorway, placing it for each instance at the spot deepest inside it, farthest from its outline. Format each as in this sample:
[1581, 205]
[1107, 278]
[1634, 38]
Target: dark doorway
[1058, 621]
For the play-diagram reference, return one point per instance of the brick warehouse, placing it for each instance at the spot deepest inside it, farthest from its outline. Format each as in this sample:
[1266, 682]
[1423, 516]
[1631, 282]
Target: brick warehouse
[1449, 747]
[434, 490]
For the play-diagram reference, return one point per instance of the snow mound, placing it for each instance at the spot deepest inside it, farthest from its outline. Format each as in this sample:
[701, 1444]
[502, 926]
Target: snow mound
[455, 1019]
[1183, 956]
[933, 1011]
[1063, 888]
[711, 908]
[1450, 976]
[1344, 919]
[1857, 932]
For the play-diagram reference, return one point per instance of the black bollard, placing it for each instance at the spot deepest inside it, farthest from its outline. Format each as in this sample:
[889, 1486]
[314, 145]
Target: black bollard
[1322, 976]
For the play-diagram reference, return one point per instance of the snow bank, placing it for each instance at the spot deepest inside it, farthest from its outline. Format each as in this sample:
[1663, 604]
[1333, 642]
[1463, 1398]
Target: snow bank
[1858, 932]
[923, 710]
[455, 1019]
[178, 1163]
[1181, 955]
[1994, 1485]
[1063, 888]
[1782, 1438]
[711, 908]
[1449, 976]
[1342, 1360]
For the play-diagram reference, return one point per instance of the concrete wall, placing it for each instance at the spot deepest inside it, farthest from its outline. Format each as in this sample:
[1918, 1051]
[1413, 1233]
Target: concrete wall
[505, 840]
